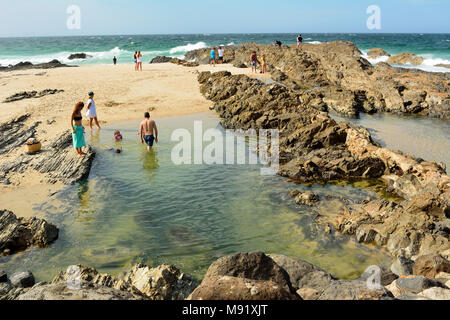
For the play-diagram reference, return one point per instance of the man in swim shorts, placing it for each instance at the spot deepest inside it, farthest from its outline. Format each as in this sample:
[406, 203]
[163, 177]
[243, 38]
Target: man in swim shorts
[148, 131]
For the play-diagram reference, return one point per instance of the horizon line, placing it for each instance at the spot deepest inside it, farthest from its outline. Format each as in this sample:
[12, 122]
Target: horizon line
[209, 34]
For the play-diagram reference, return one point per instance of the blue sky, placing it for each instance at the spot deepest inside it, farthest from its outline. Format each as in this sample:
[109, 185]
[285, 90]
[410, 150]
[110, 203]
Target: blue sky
[98, 17]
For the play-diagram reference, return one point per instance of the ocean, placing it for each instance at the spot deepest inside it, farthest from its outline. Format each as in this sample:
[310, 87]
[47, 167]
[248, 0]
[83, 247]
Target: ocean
[434, 48]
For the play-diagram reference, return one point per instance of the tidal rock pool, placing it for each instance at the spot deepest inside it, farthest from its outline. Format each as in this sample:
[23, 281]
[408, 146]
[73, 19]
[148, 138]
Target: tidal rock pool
[141, 207]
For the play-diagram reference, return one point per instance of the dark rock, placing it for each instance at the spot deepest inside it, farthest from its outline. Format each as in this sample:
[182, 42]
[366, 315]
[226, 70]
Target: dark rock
[28, 65]
[18, 234]
[74, 56]
[431, 265]
[3, 276]
[31, 94]
[253, 266]
[161, 59]
[23, 279]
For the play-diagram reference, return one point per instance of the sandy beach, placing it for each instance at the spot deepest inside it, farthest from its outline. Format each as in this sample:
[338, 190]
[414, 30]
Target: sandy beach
[121, 94]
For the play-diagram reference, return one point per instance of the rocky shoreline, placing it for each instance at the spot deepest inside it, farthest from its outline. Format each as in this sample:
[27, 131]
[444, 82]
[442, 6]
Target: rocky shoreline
[344, 81]
[242, 276]
[315, 148]
[28, 65]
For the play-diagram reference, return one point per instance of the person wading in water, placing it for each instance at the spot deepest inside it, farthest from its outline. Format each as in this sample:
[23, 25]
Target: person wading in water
[148, 131]
[78, 129]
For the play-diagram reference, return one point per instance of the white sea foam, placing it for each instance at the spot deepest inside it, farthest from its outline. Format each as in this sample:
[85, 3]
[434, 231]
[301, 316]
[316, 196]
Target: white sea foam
[188, 47]
[429, 64]
[314, 42]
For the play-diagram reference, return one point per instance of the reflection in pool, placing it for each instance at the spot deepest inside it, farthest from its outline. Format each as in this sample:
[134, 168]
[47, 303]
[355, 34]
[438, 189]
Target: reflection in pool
[140, 207]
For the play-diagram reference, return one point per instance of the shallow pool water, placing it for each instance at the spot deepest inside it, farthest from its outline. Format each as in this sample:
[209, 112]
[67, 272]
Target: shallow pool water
[426, 138]
[140, 207]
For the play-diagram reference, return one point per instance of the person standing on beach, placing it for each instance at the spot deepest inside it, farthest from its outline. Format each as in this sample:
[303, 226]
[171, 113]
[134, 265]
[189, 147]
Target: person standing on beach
[263, 64]
[92, 112]
[221, 52]
[148, 131]
[299, 41]
[78, 129]
[254, 61]
[135, 61]
[213, 57]
[115, 60]
[139, 61]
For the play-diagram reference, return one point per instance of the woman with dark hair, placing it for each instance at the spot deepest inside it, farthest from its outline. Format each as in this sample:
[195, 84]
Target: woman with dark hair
[139, 61]
[78, 129]
[135, 61]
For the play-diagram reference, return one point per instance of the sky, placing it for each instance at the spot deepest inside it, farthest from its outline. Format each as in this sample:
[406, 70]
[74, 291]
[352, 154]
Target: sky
[20, 18]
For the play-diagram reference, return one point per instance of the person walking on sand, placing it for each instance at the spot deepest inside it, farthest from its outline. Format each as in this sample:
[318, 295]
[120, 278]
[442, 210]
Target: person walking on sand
[135, 61]
[263, 64]
[299, 41]
[253, 61]
[221, 52]
[148, 131]
[213, 57]
[92, 112]
[78, 129]
[115, 60]
[139, 61]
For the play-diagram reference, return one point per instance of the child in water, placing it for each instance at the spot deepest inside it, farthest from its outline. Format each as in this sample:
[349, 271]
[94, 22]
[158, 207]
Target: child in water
[117, 136]
[115, 150]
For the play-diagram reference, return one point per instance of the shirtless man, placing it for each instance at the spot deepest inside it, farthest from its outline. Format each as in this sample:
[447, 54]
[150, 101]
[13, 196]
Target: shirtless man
[148, 127]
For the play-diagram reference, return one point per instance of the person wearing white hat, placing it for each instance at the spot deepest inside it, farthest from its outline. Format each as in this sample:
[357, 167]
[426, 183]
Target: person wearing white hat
[92, 112]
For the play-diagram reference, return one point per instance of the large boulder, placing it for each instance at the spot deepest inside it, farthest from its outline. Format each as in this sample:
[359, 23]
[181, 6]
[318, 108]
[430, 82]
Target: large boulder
[406, 58]
[161, 59]
[436, 293]
[254, 266]
[234, 288]
[402, 266]
[431, 265]
[17, 234]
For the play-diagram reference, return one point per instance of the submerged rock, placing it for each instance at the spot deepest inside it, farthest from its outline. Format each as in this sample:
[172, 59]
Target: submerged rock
[17, 234]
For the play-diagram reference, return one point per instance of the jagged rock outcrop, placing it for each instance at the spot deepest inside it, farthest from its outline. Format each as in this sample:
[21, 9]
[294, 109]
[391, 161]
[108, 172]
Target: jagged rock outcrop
[57, 161]
[346, 82]
[18, 234]
[314, 148]
[31, 94]
[28, 65]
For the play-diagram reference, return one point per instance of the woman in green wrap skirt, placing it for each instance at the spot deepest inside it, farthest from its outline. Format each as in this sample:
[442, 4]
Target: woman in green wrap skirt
[78, 129]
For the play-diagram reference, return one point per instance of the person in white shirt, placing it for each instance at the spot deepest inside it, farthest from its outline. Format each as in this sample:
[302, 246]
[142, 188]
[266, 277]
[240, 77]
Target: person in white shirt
[92, 112]
[221, 52]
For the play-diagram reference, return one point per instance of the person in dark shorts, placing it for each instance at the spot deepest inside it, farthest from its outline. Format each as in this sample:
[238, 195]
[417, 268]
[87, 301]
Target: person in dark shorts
[148, 132]
[115, 60]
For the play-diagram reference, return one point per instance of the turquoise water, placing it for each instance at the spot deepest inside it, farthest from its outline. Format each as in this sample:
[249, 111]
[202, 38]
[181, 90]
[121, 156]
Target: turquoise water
[435, 48]
[140, 207]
